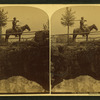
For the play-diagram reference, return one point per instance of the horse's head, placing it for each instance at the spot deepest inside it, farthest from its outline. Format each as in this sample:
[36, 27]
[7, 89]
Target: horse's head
[27, 27]
[95, 27]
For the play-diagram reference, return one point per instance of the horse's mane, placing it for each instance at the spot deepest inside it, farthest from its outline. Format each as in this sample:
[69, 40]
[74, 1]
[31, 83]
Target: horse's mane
[9, 29]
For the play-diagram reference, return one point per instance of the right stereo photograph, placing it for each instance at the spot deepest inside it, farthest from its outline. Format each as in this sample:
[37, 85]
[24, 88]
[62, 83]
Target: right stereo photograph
[75, 50]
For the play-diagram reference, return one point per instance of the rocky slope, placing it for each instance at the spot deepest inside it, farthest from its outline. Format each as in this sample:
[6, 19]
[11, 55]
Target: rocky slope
[81, 84]
[19, 84]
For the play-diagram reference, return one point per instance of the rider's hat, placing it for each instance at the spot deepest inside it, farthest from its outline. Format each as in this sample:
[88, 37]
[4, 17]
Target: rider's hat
[14, 18]
[82, 17]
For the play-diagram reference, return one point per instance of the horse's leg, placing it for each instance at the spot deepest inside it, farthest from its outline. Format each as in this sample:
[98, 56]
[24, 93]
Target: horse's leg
[86, 37]
[73, 37]
[19, 38]
[6, 38]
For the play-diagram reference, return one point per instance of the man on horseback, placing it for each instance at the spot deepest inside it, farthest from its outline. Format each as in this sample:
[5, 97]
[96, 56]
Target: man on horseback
[14, 24]
[82, 26]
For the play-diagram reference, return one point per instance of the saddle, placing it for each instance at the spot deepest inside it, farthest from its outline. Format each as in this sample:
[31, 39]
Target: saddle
[83, 30]
[15, 32]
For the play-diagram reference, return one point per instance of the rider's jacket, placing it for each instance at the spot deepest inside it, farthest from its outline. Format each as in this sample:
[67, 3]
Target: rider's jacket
[14, 22]
[82, 24]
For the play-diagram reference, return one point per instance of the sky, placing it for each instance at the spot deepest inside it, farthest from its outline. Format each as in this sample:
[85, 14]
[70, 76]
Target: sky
[32, 16]
[90, 13]
[35, 15]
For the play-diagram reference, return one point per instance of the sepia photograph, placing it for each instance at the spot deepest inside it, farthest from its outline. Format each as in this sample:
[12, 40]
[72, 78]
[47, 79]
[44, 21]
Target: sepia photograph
[49, 49]
[24, 50]
[75, 50]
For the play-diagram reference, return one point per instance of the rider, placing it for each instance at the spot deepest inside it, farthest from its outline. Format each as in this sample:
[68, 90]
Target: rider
[82, 26]
[14, 22]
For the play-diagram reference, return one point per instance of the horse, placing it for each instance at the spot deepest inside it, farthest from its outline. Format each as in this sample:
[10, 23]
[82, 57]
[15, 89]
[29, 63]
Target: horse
[86, 32]
[18, 32]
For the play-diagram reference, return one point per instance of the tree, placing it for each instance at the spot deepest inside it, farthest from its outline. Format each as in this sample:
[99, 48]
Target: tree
[3, 20]
[68, 19]
[46, 26]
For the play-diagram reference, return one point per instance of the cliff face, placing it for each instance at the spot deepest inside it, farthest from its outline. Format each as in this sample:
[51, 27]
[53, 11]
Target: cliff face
[27, 59]
[71, 61]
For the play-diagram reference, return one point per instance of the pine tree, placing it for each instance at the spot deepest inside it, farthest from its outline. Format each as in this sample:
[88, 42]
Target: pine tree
[3, 20]
[68, 19]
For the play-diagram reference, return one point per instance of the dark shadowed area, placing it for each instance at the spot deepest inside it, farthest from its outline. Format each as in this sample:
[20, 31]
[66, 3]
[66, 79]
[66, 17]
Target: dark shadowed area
[71, 61]
[27, 59]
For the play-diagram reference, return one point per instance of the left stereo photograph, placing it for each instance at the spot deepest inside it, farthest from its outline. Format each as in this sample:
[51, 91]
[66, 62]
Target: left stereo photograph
[24, 50]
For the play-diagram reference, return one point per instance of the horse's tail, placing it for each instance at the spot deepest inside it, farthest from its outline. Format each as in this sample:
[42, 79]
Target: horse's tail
[73, 31]
[6, 36]
[73, 34]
